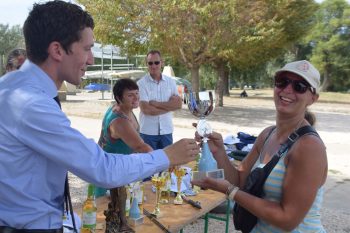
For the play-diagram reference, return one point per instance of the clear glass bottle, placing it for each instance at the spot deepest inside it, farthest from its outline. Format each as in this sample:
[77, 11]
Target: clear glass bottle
[196, 188]
[89, 211]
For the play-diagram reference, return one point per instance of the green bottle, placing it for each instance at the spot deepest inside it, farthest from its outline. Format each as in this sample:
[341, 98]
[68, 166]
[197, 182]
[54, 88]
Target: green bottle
[89, 212]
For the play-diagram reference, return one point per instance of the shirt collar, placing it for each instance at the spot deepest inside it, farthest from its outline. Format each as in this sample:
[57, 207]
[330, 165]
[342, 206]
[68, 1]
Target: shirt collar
[40, 78]
[151, 79]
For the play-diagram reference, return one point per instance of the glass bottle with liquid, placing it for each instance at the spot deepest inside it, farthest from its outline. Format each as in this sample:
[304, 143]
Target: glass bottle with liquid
[128, 200]
[139, 194]
[89, 211]
[196, 188]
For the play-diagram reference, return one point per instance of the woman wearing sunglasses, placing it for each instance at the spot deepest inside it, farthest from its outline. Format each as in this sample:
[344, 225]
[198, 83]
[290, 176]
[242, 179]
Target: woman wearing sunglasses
[294, 188]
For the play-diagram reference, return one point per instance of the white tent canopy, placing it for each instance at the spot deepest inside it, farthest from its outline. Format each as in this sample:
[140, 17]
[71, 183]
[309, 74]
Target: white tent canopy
[134, 74]
[106, 51]
[113, 75]
[168, 70]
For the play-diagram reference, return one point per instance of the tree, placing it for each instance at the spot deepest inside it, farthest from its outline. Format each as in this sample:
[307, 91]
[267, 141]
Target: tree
[260, 31]
[10, 38]
[331, 41]
[183, 29]
[238, 33]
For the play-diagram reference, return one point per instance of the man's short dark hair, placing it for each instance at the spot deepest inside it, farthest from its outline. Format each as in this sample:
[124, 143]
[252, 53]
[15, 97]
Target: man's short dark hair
[121, 85]
[53, 21]
[153, 52]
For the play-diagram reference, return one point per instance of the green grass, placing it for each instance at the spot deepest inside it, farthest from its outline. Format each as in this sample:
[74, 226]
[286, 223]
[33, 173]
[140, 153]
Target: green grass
[331, 97]
[335, 97]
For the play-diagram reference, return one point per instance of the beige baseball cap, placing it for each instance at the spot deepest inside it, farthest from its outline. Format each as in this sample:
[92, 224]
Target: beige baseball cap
[304, 69]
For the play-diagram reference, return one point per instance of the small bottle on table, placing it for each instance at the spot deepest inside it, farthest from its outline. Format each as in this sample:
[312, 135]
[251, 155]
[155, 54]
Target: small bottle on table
[89, 211]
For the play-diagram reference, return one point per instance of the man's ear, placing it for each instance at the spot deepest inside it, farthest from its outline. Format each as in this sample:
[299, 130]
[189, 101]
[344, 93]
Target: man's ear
[55, 51]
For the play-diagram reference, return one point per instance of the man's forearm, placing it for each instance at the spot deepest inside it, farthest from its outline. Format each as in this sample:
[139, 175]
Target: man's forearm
[167, 106]
[149, 109]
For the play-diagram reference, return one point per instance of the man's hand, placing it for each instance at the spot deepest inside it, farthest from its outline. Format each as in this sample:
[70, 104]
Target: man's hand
[182, 152]
[175, 100]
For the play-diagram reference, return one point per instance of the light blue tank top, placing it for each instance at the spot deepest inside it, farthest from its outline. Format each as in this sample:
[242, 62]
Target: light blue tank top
[273, 192]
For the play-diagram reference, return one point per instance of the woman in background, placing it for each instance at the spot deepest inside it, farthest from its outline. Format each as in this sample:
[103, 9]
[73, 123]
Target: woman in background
[120, 134]
[15, 59]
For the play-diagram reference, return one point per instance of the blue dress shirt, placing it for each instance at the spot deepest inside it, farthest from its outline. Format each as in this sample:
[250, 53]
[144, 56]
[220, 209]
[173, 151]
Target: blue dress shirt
[38, 146]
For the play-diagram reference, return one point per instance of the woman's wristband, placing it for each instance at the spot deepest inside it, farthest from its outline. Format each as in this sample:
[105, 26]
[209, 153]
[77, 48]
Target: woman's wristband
[231, 191]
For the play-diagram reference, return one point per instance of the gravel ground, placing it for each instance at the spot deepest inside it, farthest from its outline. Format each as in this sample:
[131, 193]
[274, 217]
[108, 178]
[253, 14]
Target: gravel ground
[335, 220]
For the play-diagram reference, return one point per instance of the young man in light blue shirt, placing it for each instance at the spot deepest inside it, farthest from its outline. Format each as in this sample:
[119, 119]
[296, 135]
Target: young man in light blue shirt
[37, 143]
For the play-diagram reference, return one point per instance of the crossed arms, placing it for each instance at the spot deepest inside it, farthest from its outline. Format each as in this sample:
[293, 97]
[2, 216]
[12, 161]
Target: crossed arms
[155, 108]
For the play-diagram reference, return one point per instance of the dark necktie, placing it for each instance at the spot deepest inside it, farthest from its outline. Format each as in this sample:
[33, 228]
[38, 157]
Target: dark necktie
[57, 100]
[68, 202]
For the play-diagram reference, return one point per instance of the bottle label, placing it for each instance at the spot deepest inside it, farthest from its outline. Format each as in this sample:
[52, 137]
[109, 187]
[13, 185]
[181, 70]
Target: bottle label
[127, 207]
[127, 204]
[89, 219]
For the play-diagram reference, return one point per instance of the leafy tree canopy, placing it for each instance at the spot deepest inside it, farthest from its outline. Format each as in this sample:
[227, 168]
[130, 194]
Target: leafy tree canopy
[330, 39]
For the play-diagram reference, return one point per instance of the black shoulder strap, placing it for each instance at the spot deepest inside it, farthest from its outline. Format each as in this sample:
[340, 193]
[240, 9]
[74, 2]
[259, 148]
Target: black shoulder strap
[293, 137]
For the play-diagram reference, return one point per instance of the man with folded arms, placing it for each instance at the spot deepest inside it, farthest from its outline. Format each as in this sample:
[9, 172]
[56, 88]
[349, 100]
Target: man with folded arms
[158, 98]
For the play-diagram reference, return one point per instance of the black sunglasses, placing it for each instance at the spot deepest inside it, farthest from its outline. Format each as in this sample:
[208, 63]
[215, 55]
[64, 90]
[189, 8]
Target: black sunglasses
[153, 62]
[299, 86]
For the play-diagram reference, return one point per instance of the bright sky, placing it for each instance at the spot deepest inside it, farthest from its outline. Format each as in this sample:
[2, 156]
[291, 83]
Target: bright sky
[14, 12]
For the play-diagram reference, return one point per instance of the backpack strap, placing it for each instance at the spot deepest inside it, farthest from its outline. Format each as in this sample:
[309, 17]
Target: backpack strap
[292, 138]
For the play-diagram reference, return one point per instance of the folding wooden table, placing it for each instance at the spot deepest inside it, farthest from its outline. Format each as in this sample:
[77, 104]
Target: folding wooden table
[173, 217]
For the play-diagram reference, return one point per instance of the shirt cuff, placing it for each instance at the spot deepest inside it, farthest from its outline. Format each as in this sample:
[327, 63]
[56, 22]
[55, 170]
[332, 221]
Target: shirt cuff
[162, 158]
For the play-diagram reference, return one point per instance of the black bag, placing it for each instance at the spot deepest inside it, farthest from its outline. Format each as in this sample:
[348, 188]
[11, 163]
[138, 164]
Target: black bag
[242, 218]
